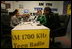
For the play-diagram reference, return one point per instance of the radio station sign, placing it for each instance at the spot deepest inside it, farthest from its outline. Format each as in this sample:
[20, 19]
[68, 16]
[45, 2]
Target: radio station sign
[30, 38]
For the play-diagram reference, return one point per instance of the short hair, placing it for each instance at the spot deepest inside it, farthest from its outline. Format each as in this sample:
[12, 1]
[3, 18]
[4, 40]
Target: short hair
[15, 12]
[47, 9]
[39, 11]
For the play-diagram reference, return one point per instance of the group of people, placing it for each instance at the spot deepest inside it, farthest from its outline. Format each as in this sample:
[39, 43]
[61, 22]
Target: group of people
[47, 18]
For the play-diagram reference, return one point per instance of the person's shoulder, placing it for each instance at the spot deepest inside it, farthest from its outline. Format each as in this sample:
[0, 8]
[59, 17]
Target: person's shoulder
[42, 15]
[55, 14]
[52, 13]
[13, 17]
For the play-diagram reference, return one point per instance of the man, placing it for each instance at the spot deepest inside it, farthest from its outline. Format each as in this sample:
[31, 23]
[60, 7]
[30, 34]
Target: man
[15, 19]
[52, 20]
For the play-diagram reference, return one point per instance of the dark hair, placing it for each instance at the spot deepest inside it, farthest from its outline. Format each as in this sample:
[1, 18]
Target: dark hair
[47, 9]
[15, 11]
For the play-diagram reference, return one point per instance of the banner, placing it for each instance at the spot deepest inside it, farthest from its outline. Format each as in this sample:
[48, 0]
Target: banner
[30, 38]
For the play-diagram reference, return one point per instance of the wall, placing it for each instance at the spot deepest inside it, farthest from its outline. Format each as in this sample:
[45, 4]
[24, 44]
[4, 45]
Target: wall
[31, 4]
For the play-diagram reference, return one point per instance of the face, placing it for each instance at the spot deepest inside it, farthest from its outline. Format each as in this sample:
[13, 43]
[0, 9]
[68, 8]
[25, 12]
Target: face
[46, 12]
[39, 12]
[17, 14]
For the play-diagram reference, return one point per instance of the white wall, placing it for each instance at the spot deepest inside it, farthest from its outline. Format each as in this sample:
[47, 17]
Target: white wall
[31, 4]
[58, 5]
[12, 6]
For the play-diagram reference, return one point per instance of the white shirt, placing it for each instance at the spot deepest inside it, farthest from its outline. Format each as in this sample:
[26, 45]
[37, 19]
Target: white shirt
[14, 21]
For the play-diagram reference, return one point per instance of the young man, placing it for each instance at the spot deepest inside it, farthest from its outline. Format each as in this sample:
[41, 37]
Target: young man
[52, 20]
[15, 19]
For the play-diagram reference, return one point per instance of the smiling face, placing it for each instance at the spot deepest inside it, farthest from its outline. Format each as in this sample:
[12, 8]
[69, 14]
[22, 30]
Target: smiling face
[39, 12]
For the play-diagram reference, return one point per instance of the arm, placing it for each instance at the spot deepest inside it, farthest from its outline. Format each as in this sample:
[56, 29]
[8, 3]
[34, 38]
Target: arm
[13, 22]
[44, 20]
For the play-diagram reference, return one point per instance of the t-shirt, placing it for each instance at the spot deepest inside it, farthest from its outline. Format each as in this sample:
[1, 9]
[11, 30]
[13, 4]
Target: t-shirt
[42, 19]
[14, 21]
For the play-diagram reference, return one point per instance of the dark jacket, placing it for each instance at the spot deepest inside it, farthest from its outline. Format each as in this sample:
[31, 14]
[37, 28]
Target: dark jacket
[52, 21]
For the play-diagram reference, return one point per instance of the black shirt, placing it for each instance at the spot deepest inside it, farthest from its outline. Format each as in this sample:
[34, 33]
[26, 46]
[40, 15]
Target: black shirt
[52, 21]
